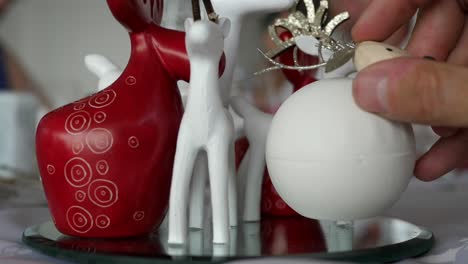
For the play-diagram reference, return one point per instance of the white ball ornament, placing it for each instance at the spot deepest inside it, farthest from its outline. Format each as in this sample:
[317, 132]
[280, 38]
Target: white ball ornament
[330, 160]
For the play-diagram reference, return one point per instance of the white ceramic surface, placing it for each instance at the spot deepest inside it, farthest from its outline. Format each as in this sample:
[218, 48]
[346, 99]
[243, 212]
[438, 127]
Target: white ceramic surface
[206, 126]
[256, 127]
[106, 71]
[236, 11]
[330, 160]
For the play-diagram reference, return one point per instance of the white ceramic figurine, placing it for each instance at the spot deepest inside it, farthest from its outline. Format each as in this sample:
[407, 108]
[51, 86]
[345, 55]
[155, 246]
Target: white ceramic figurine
[327, 158]
[206, 126]
[236, 11]
[256, 128]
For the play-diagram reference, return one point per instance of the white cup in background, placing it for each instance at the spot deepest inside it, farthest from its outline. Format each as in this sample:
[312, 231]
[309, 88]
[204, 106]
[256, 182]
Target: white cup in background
[19, 113]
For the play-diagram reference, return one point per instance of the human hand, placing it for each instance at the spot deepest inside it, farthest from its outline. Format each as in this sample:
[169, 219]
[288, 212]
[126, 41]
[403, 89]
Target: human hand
[355, 9]
[421, 91]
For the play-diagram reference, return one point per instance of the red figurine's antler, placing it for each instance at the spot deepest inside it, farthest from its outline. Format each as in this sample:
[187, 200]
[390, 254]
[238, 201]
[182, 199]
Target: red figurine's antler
[136, 15]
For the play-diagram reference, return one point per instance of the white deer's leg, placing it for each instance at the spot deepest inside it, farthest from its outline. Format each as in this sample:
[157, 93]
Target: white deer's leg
[252, 239]
[218, 164]
[257, 125]
[241, 179]
[254, 180]
[183, 165]
[232, 185]
[197, 197]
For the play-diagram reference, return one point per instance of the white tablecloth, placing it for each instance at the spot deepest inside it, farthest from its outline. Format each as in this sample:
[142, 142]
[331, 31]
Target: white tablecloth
[441, 207]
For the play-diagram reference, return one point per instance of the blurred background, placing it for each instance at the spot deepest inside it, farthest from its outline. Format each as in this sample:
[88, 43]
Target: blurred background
[42, 49]
[50, 38]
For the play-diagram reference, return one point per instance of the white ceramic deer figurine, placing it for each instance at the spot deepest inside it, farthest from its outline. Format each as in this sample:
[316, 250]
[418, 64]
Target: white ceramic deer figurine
[206, 126]
[256, 128]
[236, 12]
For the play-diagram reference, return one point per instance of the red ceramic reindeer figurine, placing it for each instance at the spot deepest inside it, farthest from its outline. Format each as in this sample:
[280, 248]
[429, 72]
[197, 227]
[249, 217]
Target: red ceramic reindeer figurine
[106, 160]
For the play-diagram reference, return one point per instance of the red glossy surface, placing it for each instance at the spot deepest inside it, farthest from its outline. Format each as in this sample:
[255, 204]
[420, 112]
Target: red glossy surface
[291, 235]
[106, 160]
[241, 147]
[298, 79]
[272, 203]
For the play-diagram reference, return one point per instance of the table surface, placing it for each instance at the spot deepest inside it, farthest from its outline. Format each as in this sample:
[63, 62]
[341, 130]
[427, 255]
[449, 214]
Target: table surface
[442, 207]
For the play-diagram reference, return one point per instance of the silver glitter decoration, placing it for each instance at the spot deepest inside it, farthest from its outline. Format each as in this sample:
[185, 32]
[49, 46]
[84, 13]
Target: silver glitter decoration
[311, 24]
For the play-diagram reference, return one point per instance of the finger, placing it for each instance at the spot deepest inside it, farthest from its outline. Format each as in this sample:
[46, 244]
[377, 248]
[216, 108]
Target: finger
[445, 131]
[459, 55]
[446, 155]
[373, 25]
[415, 90]
[463, 5]
[399, 36]
[447, 20]
[355, 8]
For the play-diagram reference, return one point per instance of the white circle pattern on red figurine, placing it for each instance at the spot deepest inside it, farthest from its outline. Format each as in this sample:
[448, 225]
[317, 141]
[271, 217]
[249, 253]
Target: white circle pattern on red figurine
[133, 142]
[102, 167]
[100, 117]
[103, 193]
[77, 122]
[99, 140]
[103, 221]
[78, 172]
[51, 169]
[77, 148]
[103, 99]
[79, 106]
[79, 219]
[267, 205]
[280, 204]
[139, 215]
[80, 196]
[131, 80]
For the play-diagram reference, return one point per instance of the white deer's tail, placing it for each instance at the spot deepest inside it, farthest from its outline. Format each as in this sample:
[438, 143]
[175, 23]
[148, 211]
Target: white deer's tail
[104, 69]
[99, 65]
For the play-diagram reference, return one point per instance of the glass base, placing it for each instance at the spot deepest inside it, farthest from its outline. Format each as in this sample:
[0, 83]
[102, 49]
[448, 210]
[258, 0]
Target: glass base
[375, 240]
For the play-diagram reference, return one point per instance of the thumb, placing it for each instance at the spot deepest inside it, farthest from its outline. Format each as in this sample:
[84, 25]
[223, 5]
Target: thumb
[415, 90]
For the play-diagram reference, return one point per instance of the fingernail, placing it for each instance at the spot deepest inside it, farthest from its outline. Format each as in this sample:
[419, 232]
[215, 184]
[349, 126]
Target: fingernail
[371, 91]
